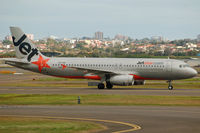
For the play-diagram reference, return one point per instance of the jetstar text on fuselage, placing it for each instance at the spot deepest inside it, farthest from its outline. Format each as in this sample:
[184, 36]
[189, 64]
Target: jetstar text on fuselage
[149, 63]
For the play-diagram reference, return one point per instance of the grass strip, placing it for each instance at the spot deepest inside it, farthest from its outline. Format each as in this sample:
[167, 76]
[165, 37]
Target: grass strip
[41, 125]
[97, 99]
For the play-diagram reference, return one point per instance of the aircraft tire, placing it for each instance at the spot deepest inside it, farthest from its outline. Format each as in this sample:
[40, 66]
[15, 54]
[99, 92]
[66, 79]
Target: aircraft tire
[170, 87]
[101, 86]
[109, 86]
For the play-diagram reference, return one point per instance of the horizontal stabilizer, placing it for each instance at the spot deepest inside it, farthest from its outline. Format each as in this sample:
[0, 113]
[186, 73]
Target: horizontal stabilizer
[14, 61]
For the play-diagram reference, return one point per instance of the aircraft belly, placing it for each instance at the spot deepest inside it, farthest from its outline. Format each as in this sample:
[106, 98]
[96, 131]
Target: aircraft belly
[155, 75]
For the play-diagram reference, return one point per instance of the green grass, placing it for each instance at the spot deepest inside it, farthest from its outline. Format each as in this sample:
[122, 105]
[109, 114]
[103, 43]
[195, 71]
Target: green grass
[26, 84]
[192, 79]
[93, 99]
[39, 125]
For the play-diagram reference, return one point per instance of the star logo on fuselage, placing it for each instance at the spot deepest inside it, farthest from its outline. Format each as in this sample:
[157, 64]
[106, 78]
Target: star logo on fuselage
[41, 63]
[63, 66]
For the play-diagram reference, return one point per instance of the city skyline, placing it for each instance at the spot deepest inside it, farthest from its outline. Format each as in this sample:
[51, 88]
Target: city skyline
[99, 36]
[173, 19]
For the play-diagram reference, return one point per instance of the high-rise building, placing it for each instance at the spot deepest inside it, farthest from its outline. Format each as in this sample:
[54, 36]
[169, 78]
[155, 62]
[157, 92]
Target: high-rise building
[158, 38]
[198, 38]
[121, 37]
[98, 35]
[9, 38]
[30, 36]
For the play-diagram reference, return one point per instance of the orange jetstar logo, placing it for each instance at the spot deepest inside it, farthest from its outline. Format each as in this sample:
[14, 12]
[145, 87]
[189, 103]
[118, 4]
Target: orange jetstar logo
[41, 63]
[63, 66]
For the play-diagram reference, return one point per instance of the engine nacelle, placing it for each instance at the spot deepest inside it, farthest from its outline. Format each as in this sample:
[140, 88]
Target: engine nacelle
[123, 80]
[139, 82]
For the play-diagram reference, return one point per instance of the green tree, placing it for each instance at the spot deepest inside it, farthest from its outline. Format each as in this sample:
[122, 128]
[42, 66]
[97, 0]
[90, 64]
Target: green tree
[7, 42]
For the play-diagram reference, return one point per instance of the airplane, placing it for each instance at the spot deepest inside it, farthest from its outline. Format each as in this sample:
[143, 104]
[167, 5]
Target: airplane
[109, 71]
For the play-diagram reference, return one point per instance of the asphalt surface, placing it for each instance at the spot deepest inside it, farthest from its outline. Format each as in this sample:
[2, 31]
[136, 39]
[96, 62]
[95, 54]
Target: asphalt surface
[151, 119]
[117, 91]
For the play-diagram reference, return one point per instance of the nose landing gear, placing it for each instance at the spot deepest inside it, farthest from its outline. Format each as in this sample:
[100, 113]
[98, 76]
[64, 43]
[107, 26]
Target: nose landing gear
[170, 87]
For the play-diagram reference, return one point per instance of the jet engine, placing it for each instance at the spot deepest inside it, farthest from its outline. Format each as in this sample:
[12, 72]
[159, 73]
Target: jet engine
[123, 80]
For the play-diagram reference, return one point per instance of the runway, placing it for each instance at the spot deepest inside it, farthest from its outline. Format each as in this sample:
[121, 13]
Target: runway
[151, 119]
[114, 91]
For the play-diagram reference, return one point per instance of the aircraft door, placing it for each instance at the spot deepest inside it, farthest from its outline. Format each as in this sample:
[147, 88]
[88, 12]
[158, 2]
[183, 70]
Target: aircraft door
[120, 66]
[168, 66]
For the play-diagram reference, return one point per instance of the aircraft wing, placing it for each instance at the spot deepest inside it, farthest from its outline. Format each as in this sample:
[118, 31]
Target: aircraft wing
[102, 71]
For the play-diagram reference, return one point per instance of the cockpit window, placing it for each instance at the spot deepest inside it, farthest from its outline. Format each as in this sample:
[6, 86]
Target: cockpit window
[184, 65]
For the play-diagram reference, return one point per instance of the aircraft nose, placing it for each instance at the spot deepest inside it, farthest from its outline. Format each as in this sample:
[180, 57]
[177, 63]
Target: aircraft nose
[193, 72]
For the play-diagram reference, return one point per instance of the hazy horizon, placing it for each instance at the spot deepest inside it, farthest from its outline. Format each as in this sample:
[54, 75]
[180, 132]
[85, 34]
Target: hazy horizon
[172, 19]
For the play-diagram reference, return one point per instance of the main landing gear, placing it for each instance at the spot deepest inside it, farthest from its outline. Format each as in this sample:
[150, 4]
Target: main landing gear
[109, 85]
[170, 87]
[102, 86]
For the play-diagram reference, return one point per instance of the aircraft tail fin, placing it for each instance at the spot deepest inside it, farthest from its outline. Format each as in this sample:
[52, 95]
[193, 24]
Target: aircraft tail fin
[23, 46]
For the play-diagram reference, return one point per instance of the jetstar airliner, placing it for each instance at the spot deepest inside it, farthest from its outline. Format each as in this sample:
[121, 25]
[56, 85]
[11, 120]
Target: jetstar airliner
[109, 71]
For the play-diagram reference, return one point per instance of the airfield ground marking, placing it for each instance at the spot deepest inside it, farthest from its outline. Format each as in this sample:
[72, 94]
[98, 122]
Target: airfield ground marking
[133, 126]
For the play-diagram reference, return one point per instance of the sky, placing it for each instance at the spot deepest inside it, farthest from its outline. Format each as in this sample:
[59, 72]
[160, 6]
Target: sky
[173, 19]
